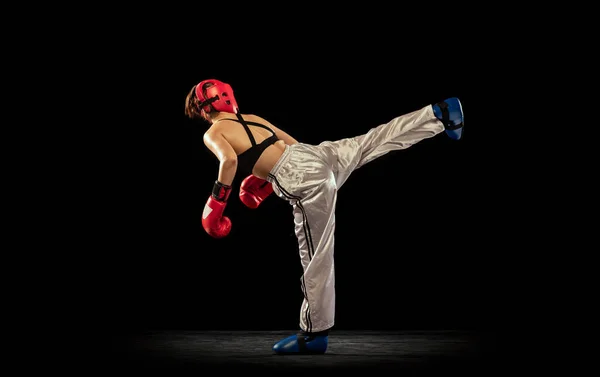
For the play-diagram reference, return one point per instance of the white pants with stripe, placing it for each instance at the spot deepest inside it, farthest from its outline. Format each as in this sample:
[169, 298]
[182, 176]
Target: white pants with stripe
[309, 176]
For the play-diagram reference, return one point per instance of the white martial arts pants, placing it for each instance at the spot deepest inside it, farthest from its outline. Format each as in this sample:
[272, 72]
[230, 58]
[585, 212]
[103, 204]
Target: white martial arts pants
[308, 176]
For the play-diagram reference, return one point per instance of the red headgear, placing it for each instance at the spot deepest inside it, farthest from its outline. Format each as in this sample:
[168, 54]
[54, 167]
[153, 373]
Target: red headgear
[219, 95]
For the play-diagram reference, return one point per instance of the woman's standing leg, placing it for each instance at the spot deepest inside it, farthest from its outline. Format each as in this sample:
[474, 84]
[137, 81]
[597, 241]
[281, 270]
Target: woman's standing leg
[306, 180]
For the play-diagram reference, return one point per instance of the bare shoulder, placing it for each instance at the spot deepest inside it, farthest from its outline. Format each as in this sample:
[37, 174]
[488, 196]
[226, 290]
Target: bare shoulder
[210, 133]
[218, 127]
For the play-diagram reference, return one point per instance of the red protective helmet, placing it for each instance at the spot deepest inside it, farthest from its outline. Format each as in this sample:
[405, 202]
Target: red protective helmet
[219, 95]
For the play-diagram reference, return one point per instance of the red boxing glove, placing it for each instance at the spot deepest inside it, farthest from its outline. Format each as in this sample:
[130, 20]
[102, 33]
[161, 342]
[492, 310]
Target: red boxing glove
[254, 190]
[213, 221]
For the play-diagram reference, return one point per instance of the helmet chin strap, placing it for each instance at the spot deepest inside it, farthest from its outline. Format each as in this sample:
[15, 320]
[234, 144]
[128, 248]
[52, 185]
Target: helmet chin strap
[202, 104]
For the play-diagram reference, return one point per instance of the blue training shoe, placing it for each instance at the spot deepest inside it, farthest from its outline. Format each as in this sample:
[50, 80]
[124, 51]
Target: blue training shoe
[301, 344]
[450, 112]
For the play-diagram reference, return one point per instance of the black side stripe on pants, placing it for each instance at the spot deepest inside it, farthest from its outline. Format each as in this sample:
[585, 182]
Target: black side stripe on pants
[309, 243]
[311, 249]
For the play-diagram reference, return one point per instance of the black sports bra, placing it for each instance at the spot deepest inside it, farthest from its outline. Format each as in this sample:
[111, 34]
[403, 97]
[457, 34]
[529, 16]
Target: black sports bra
[247, 159]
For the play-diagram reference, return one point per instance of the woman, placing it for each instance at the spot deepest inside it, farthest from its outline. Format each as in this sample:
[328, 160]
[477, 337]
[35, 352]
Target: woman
[308, 177]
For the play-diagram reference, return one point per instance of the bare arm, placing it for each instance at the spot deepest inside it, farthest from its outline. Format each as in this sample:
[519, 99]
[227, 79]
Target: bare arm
[225, 153]
[282, 135]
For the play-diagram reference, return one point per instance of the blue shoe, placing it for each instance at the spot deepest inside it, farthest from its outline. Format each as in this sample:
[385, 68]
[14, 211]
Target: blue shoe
[302, 344]
[449, 111]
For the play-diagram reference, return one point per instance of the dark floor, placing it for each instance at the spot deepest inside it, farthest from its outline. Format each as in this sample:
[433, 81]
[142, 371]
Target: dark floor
[167, 352]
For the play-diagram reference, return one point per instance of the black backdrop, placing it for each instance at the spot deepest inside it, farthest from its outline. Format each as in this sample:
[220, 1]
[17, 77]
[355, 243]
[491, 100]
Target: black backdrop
[416, 242]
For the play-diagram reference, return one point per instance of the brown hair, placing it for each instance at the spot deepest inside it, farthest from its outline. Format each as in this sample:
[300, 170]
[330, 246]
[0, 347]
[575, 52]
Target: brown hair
[192, 110]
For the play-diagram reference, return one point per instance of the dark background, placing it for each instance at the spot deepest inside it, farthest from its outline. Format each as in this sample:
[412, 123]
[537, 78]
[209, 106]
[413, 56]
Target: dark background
[419, 236]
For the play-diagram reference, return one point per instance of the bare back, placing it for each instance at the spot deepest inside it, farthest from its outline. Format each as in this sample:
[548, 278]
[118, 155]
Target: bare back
[236, 136]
